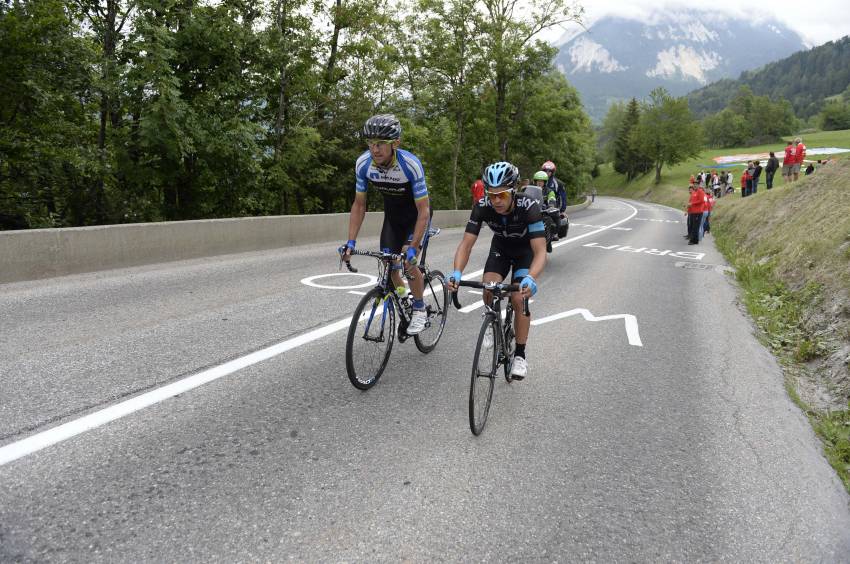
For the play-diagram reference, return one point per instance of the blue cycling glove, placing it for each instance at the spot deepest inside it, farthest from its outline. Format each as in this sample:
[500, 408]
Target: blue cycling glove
[410, 256]
[349, 245]
[455, 276]
[528, 282]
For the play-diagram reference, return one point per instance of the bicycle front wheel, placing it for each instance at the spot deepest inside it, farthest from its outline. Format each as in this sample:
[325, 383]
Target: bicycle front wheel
[484, 367]
[370, 339]
[436, 299]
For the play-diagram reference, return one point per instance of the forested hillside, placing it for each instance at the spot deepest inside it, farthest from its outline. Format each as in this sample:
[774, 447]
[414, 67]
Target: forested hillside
[143, 110]
[805, 79]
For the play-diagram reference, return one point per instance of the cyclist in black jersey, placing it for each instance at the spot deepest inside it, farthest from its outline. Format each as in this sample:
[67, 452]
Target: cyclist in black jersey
[400, 177]
[519, 244]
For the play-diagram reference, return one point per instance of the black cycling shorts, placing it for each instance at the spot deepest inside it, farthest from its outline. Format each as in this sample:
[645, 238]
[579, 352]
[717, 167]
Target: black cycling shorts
[505, 255]
[395, 235]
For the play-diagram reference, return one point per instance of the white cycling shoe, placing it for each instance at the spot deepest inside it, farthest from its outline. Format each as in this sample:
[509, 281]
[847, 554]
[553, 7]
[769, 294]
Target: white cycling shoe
[417, 322]
[519, 368]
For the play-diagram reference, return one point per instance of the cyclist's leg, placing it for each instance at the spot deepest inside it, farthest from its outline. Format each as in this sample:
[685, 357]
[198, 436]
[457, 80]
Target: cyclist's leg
[496, 268]
[521, 259]
[392, 241]
[417, 282]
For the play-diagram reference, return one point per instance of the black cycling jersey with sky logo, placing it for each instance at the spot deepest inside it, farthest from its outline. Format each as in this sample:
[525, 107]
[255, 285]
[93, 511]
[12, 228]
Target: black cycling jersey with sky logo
[523, 223]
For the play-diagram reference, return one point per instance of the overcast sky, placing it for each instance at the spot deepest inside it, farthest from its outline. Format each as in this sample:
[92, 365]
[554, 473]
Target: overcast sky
[817, 21]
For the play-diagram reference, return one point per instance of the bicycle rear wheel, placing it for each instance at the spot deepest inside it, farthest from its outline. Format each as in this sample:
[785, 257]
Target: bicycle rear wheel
[370, 339]
[436, 299]
[484, 367]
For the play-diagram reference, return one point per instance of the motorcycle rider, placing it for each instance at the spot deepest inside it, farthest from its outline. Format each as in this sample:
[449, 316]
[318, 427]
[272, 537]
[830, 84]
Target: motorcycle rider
[555, 185]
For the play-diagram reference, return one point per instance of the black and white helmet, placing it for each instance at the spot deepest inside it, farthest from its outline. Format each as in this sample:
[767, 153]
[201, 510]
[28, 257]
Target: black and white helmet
[381, 126]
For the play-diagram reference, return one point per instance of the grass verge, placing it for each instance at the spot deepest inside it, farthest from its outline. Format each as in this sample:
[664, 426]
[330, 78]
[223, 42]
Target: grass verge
[780, 313]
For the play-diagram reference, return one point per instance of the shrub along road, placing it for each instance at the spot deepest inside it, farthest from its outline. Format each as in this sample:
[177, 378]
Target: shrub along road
[682, 446]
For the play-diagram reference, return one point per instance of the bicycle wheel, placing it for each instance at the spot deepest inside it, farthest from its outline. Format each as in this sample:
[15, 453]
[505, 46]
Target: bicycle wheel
[436, 299]
[370, 339]
[483, 374]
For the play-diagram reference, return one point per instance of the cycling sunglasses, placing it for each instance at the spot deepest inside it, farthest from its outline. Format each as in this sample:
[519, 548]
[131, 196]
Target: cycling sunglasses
[373, 142]
[501, 195]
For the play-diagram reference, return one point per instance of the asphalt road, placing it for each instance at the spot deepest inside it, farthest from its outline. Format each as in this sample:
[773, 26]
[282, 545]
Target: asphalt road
[673, 440]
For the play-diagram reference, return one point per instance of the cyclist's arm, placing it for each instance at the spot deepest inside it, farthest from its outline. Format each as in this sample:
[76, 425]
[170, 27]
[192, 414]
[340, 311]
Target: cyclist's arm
[464, 249]
[358, 214]
[538, 246]
[423, 210]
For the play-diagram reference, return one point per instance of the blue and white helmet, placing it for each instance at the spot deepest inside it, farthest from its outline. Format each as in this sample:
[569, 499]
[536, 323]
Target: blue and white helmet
[501, 175]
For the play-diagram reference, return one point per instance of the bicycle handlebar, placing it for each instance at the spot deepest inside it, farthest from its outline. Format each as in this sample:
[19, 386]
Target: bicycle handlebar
[496, 287]
[388, 257]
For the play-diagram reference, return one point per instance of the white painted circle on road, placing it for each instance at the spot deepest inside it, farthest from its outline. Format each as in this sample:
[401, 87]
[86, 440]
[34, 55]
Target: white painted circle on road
[311, 281]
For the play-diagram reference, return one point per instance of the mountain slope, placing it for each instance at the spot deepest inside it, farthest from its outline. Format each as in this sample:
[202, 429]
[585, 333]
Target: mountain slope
[617, 58]
[805, 79]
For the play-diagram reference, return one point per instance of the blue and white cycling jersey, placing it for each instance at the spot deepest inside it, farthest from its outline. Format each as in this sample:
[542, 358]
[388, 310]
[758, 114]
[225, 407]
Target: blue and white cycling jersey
[402, 183]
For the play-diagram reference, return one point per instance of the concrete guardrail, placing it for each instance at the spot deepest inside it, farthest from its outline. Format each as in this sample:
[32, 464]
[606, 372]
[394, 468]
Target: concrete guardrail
[44, 253]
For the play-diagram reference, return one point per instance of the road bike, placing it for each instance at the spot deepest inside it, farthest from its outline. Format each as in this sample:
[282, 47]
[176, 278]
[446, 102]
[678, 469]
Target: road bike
[373, 326]
[494, 348]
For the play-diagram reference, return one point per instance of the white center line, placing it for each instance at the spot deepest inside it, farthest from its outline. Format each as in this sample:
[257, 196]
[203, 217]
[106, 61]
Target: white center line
[71, 429]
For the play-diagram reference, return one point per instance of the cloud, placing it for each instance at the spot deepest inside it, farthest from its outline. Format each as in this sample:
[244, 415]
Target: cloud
[817, 21]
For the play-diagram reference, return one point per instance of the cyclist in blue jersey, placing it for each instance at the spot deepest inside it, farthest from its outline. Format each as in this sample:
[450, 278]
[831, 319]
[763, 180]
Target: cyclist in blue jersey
[399, 176]
[519, 244]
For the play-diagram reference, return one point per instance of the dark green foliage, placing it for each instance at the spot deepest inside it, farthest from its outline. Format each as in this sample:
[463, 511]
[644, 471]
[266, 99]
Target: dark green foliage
[749, 120]
[805, 79]
[145, 110]
[835, 116]
[628, 158]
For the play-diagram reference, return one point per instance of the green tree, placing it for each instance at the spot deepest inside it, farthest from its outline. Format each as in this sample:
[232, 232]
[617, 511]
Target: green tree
[47, 153]
[609, 129]
[834, 116]
[508, 29]
[667, 133]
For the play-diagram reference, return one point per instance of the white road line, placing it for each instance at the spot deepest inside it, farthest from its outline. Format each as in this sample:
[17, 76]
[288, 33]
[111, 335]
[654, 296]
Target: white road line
[631, 322]
[71, 429]
[357, 292]
[589, 233]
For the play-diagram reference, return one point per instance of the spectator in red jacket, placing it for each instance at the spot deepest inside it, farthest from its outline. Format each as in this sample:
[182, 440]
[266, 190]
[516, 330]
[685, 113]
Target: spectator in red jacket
[800, 154]
[477, 190]
[745, 179]
[788, 161]
[696, 203]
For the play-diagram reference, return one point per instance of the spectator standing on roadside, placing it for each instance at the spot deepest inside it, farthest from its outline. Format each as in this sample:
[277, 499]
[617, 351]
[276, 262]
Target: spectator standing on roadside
[693, 180]
[770, 169]
[710, 204]
[715, 184]
[695, 204]
[788, 162]
[477, 190]
[757, 168]
[706, 194]
[800, 154]
[745, 180]
[730, 187]
[593, 195]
